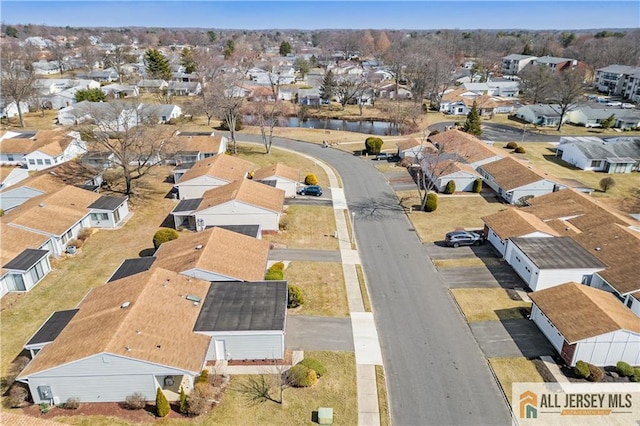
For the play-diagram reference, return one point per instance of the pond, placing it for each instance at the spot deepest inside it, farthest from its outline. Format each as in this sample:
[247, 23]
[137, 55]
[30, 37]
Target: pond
[381, 128]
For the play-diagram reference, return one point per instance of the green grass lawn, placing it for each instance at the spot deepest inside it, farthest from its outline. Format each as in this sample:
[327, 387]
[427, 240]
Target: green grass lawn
[322, 286]
[488, 304]
[307, 227]
[510, 370]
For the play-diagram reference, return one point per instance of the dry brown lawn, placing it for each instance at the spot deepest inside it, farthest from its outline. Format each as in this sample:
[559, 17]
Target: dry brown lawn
[32, 121]
[566, 130]
[488, 304]
[322, 286]
[511, 370]
[453, 212]
[306, 227]
[73, 276]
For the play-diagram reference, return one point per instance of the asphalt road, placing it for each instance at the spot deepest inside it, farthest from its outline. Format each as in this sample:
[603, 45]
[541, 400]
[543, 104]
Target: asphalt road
[436, 373]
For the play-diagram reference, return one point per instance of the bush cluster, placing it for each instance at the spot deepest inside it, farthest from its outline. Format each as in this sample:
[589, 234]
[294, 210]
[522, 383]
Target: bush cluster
[314, 365]
[284, 222]
[636, 374]
[198, 400]
[432, 202]
[519, 150]
[511, 145]
[373, 145]
[72, 403]
[477, 185]
[582, 370]
[275, 272]
[203, 377]
[135, 401]
[163, 235]
[310, 179]
[294, 296]
[18, 395]
[597, 375]
[301, 376]
[624, 369]
[450, 188]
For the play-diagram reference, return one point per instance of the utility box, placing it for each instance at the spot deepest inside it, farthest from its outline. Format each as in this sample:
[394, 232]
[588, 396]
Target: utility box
[325, 416]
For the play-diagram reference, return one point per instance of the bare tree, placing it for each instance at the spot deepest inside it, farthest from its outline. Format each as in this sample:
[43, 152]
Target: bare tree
[117, 58]
[267, 112]
[566, 92]
[18, 77]
[400, 113]
[90, 56]
[349, 89]
[130, 132]
[227, 95]
[536, 82]
[59, 52]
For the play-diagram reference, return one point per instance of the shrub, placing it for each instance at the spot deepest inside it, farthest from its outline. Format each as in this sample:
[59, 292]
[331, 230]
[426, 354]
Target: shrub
[183, 401]
[302, 377]
[294, 296]
[274, 275]
[18, 395]
[477, 185]
[225, 126]
[582, 369]
[373, 145]
[75, 243]
[511, 145]
[432, 202]
[624, 369]
[278, 266]
[310, 179]
[136, 401]
[44, 408]
[203, 377]
[284, 223]
[84, 233]
[450, 188]
[520, 150]
[163, 235]
[72, 403]
[197, 402]
[162, 405]
[596, 373]
[607, 183]
[314, 365]
[636, 374]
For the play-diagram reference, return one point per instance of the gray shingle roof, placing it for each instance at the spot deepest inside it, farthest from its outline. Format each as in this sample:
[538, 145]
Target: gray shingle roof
[25, 260]
[131, 267]
[557, 253]
[107, 203]
[598, 149]
[52, 327]
[187, 205]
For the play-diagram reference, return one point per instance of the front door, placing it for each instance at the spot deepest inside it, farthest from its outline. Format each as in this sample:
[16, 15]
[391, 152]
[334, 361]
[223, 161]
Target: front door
[220, 350]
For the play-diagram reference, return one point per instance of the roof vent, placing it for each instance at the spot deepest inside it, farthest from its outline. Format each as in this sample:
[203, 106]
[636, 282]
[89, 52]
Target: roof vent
[125, 305]
[43, 205]
[128, 348]
[193, 298]
[598, 249]
[158, 346]
[138, 332]
[199, 247]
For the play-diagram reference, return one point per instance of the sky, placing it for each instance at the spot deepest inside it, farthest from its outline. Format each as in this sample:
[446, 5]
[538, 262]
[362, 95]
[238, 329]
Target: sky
[328, 14]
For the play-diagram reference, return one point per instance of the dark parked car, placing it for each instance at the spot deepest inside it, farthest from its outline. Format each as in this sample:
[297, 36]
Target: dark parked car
[463, 238]
[310, 190]
[383, 156]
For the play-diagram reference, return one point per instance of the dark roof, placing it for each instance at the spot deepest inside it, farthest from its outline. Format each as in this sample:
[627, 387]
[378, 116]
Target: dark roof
[270, 182]
[557, 253]
[238, 306]
[248, 230]
[184, 166]
[107, 203]
[26, 259]
[187, 205]
[131, 267]
[52, 327]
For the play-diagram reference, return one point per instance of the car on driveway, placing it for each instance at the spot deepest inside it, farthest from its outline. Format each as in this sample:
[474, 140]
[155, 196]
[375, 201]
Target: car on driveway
[310, 190]
[463, 238]
[383, 156]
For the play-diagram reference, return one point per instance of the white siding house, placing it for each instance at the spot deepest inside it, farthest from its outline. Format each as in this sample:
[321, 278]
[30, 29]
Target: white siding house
[587, 324]
[547, 262]
[513, 223]
[618, 155]
[281, 176]
[209, 173]
[461, 174]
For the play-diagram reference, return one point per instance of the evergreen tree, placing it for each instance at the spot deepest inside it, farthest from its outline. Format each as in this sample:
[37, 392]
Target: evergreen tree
[526, 50]
[285, 48]
[91, 95]
[212, 36]
[11, 31]
[608, 122]
[472, 125]
[229, 48]
[157, 64]
[162, 405]
[183, 401]
[328, 88]
[188, 60]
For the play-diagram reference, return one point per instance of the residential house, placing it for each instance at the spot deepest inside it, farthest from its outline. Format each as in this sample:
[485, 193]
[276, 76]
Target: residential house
[120, 91]
[181, 88]
[412, 147]
[118, 115]
[556, 64]
[44, 67]
[309, 97]
[444, 171]
[587, 324]
[394, 91]
[159, 113]
[196, 146]
[11, 175]
[108, 74]
[465, 148]
[514, 63]
[541, 114]
[184, 77]
[25, 258]
[514, 223]
[544, 262]
[631, 88]
[215, 254]
[502, 88]
[592, 117]
[10, 109]
[242, 202]
[134, 335]
[13, 197]
[152, 86]
[45, 149]
[515, 182]
[617, 155]
[211, 173]
[280, 176]
[613, 80]
[245, 321]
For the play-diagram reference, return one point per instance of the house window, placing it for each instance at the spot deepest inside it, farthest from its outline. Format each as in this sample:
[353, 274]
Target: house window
[36, 273]
[47, 162]
[596, 163]
[629, 301]
[32, 161]
[10, 157]
[40, 162]
[99, 216]
[116, 216]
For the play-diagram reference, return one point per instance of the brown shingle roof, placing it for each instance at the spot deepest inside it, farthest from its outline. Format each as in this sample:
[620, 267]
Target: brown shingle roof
[156, 326]
[15, 240]
[511, 174]
[280, 170]
[55, 212]
[513, 222]
[619, 248]
[405, 144]
[465, 145]
[548, 211]
[223, 252]
[580, 312]
[224, 167]
[447, 167]
[51, 142]
[67, 173]
[247, 191]
[198, 143]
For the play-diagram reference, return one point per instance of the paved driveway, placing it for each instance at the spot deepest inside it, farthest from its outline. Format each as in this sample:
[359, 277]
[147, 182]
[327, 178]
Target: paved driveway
[511, 338]
[309, 333]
